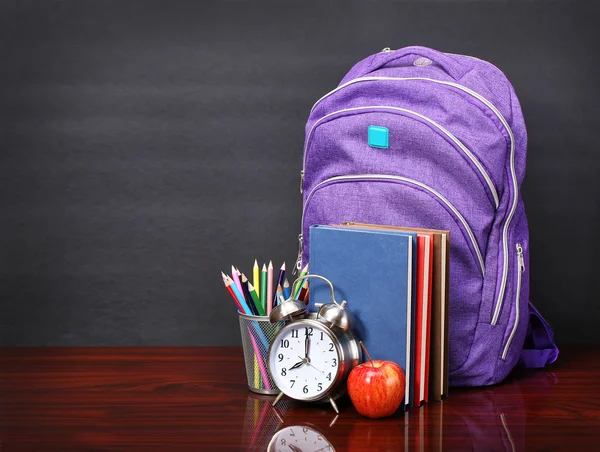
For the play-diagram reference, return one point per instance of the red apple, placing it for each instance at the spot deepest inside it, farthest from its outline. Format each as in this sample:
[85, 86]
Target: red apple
[376, 388]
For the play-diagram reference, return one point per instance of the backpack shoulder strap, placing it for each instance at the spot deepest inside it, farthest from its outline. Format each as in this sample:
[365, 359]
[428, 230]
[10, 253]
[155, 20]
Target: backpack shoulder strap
[539, 349]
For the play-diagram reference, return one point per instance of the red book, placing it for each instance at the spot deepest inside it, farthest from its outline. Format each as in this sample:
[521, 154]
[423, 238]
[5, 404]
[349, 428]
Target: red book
[423, 316]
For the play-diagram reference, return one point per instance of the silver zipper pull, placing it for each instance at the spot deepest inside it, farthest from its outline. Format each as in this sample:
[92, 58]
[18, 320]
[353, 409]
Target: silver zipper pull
[520, 257]
[301, 181]
[298, 265]
[386, 50]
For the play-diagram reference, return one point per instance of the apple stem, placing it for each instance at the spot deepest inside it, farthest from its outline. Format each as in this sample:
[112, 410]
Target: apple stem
[367, 352]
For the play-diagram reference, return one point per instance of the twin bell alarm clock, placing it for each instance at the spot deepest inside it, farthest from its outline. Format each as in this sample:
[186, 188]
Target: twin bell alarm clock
[312, 355]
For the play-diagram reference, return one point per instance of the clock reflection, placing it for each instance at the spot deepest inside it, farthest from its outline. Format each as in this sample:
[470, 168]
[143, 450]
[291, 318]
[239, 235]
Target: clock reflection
[299, 438]
[281, 428]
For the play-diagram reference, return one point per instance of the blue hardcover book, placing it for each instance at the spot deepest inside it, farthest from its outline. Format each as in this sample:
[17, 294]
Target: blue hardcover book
[374, 271]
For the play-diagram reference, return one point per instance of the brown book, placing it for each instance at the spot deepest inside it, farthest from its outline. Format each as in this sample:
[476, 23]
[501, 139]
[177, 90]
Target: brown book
[440, 298]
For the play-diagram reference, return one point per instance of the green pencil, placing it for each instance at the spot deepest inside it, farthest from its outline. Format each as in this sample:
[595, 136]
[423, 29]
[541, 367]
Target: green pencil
[299, 288]
[263, 292]
[257, 303]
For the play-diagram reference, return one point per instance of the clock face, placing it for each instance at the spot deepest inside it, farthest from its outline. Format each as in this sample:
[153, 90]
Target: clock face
[304, 360]
[299, 438]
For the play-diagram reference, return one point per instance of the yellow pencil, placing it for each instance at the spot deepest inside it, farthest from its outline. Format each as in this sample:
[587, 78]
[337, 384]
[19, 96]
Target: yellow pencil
[256, 278]
[256, 374]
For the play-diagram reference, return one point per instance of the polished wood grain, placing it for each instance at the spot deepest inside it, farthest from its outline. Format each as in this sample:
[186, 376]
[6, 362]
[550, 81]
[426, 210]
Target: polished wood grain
[197, 399]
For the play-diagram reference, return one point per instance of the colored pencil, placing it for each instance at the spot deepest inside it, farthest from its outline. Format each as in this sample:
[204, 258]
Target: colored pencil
[263, 292]
[256, 278]
[286, 289]
[236, 278]
[261, 365]
[247, 295]
[270, 284]
[302, 273]
[260, 334]
[279, 283]
[255, 403]
[256, 373]
[255, 299]
[228, 287]
[245, 308]
[258, 432]
[303, 291]
[279, 294]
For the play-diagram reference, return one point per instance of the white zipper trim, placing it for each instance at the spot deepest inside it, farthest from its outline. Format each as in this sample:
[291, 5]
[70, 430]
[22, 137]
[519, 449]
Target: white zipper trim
[521, 263]
[411, 181]
[455, 140]
[498, 303]
[510, 438]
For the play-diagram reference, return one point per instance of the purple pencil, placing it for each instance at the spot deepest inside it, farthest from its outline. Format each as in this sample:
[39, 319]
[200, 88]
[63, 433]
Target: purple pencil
[280, 279]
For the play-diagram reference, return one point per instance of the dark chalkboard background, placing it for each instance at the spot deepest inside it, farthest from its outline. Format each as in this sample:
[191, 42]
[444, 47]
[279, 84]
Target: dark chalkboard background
[147, 145]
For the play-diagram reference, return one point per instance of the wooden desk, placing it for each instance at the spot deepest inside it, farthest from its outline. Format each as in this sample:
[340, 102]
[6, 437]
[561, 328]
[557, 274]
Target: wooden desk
[197, 399]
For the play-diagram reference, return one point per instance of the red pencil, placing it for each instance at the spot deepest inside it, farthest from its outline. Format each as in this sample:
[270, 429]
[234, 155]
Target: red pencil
[303, 291]
[228, 282]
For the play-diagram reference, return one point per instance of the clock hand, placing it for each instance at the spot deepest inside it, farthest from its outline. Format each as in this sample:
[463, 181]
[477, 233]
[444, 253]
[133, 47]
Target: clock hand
[306, 347]
[294, 448]
[295, 366]
[323, 448]
[313, 366]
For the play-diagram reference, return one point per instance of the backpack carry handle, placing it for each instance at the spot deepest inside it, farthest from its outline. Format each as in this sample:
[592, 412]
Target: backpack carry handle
[447, 62]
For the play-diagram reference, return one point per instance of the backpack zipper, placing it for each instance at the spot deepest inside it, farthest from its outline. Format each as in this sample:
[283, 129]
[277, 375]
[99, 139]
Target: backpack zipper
[455, 140]
[387, 177]
[499, 300]
[521, 262]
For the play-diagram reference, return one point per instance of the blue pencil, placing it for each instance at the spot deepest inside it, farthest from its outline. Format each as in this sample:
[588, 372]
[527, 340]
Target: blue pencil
[286, 289]
[238, 295]
[261, 335]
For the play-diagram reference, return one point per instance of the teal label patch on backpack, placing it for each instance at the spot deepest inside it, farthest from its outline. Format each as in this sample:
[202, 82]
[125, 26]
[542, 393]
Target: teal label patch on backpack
[379, 137]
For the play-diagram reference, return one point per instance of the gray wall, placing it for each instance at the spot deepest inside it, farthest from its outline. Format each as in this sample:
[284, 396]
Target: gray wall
[147, 145]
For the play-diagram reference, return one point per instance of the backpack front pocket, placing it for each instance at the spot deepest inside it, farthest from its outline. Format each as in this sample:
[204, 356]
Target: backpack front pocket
[400, 201]
[373, 113]
[514, 320]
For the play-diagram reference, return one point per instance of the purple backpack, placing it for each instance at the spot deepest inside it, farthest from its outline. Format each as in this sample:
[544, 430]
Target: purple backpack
[419, 138]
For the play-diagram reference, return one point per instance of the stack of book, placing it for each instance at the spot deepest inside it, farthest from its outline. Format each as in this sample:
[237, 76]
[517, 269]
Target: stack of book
[396, 283]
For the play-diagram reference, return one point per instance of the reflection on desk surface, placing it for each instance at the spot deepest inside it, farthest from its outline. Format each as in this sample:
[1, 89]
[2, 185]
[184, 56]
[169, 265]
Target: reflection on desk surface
[196, 398]
[471, 419]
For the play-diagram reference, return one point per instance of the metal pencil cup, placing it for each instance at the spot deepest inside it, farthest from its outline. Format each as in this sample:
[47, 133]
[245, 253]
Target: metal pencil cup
[257, 335]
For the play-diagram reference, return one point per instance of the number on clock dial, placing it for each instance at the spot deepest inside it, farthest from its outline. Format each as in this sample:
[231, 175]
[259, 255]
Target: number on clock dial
[299, 377]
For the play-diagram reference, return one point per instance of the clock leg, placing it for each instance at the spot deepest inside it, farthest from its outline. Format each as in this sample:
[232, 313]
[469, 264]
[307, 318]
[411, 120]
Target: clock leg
[334, 405]
[334, 419]
[277, 399]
